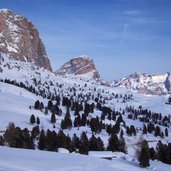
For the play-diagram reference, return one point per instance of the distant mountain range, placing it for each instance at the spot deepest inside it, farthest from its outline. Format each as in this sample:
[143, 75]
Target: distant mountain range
[19, 40]
[157, 84]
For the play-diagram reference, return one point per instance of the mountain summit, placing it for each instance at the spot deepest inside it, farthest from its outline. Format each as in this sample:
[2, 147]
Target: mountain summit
[81, 66]
[19, 39]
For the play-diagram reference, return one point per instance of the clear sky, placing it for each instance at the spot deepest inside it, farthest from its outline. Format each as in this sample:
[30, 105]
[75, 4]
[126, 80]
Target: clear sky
[121, 36]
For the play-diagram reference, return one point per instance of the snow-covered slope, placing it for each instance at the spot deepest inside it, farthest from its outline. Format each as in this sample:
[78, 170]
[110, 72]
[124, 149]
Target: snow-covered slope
[15, 102]
[28, 160]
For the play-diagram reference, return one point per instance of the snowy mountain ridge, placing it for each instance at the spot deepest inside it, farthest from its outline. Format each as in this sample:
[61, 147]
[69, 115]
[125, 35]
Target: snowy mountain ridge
[140, 82]
[19, 40]
[157, 84]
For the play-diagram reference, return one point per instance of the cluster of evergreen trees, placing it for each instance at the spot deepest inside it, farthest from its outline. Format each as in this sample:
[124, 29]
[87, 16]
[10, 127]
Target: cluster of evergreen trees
[34, 120]
[43, 90]
[151, 128]
[162, 153]
[16, 137]
[51, 140]
[147, 116]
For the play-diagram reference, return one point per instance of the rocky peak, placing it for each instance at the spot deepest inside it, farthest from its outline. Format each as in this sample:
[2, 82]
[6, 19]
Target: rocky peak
[78, 66]
[19, 40]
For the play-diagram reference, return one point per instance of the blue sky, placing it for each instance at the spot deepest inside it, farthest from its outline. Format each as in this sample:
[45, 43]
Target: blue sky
[121, 36]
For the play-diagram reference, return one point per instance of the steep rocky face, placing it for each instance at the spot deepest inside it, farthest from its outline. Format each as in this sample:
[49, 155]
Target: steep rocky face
[20, 40]
[79, 66]
[147, 84]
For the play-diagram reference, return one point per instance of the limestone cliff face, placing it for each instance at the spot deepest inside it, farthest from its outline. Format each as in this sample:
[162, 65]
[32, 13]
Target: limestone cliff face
[19, 39]
[82, 65]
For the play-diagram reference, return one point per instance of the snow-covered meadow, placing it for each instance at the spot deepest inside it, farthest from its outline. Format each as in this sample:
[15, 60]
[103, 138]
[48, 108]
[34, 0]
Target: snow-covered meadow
[34, 160]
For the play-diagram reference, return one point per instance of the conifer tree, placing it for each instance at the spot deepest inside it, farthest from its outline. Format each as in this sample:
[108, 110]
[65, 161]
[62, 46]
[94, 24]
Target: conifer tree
[161, 151]
[144, 155]
[157, 131]
[113, 143]
[84, 144]
[83, 120]
[38, 121]
[132, 130]
[128, 131]
[169, 153]
[27, 140]
[76, 121]
[94, 125]
[1, 141]
[152, 153]
[35, 132]
[41, 106]
[144, 129]
[63, 126]
[93, 144]
[37, 105]
[32, 119]
[50, 104]
[68, 122]
[69, 143]
[62, 143]
[166, 132]
[51, 143]
[17, 138]
[75, 142]
[42, 141]
[9, 134]
[100, 144]
[53, 119]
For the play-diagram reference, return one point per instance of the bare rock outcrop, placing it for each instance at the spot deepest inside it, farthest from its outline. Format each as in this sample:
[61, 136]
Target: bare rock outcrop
[19, 39]
[82, 65]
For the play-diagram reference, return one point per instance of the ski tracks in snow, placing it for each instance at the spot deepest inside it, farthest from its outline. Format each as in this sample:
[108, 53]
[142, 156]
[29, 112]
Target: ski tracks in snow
[6, 166]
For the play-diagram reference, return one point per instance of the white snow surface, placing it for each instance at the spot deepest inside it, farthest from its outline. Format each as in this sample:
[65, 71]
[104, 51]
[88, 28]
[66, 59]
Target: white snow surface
[5, 10]
[29, 160]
